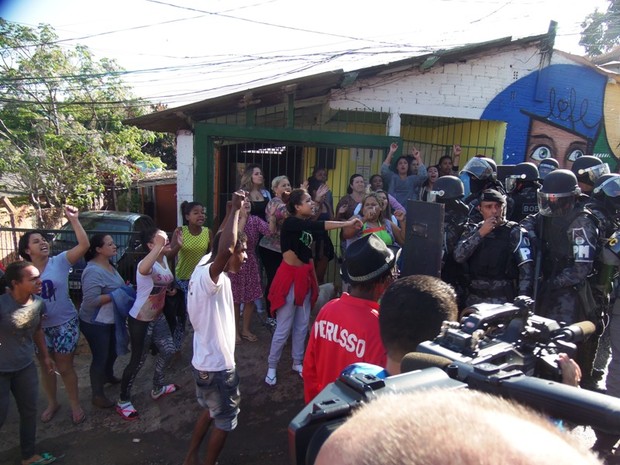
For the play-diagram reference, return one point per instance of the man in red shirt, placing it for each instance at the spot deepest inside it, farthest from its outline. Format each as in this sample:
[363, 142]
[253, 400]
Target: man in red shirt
[346, 329]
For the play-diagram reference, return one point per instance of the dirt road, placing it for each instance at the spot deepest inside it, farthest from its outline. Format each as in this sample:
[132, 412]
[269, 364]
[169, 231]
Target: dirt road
[161, 435]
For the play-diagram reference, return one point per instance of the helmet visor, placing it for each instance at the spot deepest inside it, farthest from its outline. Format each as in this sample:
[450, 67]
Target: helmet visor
[511, 182]
[544, 169]
[595, 172]
[555, 204]
[611, 187]
[478, 168]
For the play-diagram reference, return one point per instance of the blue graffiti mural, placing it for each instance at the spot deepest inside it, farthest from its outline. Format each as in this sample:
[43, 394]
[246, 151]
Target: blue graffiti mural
[556, 112]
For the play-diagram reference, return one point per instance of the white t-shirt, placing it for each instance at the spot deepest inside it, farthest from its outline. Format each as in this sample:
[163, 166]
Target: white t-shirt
[211, 311]
[151, 292]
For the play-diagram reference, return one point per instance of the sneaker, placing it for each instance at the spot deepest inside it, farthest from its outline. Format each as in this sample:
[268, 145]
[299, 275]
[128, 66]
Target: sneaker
[126, 410]
[271, 378]
[298, 368]
[163, 391]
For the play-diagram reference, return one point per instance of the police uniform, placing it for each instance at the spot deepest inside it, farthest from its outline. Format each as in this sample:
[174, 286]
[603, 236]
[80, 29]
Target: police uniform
[500, 264]
[455, 219]
[568, 250]
[524, 202]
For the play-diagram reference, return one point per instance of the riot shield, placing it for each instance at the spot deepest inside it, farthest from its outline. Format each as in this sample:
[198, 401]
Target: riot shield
[423, 239]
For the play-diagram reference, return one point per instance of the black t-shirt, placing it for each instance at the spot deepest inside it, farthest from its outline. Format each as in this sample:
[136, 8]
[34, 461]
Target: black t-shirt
[258, 208]
[296, 235]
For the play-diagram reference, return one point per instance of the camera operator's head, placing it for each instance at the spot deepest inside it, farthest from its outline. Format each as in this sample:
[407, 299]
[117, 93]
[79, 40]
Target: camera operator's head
[449, 426]
[412, 310]
[369, 267]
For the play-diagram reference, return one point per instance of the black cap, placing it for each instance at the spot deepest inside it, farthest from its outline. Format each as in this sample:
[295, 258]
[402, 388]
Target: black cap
[491, 195]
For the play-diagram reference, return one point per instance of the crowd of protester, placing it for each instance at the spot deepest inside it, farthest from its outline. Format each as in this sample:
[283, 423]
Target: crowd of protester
[548, 235]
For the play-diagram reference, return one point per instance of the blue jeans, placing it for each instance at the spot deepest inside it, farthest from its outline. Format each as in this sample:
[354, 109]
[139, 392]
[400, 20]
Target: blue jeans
[102, 342]
[219, 392]
[24, 384]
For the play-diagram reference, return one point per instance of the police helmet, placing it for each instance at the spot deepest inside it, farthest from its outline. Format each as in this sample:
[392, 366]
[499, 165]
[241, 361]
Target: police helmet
[446, 188]
[480, 168]
[558, 193]
[589, 168]
[546, 166]
[607, 189]
[523, 172]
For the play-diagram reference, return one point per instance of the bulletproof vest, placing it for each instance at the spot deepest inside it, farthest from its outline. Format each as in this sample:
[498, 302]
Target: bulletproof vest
[606, 221]
[493, 257]
[525, 203]
[454, 223]
[557, 248]
[455, 217]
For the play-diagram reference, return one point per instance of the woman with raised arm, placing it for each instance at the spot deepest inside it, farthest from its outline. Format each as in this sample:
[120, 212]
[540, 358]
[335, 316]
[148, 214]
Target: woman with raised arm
[402, 185]
[60, 325]
[295, 289]
[146, 321]
[246, 283]
[190, 242]
[350, 204]
[270, 250]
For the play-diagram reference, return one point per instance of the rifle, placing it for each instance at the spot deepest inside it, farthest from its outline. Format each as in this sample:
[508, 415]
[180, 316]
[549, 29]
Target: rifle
[538, 262]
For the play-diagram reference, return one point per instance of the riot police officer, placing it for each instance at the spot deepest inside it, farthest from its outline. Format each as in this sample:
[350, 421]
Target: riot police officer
[522, 186]
[497, 253]
[478, 174]
[604, 203]
[611, 258]
[588, 169]
[449, 191]
[546, 166]
[565, 234]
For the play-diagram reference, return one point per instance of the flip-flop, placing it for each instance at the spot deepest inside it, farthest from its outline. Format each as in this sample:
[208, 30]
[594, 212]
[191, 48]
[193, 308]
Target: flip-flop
[249, 337]
[47, 418]
[46, 458]
[79, 420]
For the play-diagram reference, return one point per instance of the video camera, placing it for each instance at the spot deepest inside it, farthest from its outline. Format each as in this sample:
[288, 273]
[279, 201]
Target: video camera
[508, 336]
[499, 349]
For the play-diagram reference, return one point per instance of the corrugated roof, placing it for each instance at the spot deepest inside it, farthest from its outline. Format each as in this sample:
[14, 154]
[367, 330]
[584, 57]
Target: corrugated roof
[317, 85]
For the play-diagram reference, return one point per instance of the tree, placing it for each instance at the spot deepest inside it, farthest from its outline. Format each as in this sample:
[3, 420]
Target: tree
[601, 31]
[61, 111]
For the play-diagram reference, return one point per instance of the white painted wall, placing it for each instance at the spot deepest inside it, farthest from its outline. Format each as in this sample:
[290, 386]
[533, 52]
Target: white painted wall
[453, 90]
[185, 169]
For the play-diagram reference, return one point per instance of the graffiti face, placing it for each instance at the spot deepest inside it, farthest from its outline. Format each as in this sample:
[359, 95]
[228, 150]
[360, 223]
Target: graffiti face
[555, 112]
[548, 141]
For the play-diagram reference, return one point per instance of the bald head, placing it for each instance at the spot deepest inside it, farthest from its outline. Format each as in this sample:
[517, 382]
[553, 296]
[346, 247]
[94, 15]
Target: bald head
[441, 427]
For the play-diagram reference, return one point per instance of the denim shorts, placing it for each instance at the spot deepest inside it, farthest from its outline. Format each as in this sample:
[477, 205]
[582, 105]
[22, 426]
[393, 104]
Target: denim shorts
[219, 392]
[63, 339]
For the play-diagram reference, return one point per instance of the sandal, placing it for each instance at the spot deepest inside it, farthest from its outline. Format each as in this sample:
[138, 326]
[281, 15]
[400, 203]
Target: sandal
[45, 459]
[80, 418]
[126, 410]
[249, 337]
[48, 414]
[164, 391]
[271, 378]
